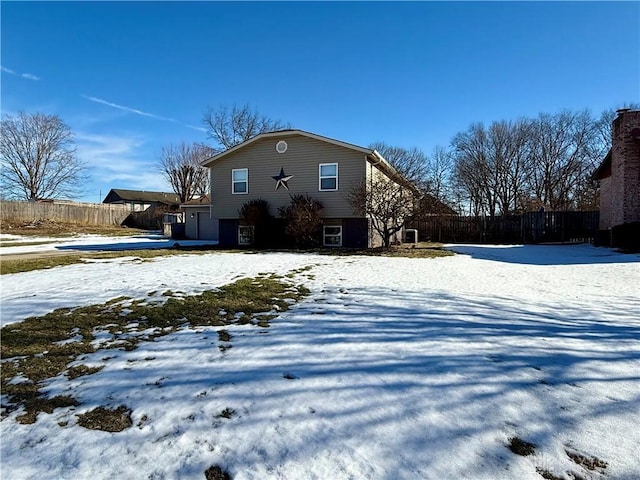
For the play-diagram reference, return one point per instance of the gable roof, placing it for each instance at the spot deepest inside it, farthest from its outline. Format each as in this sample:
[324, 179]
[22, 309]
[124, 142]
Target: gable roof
[372, 155]
[286, 133]
[436, 207]
[141, 196]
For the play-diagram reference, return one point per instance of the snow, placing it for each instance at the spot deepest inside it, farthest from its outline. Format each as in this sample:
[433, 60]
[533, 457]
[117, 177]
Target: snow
[392, 368]
[94, 243]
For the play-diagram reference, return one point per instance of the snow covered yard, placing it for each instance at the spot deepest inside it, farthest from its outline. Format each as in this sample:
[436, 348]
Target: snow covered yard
[392, 368]
[18, 244]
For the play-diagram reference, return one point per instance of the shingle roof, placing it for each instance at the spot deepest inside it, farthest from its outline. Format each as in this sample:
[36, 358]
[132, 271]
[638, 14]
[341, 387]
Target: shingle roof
[278, 133]
[197, 202]
[118, 194]
[604, 169]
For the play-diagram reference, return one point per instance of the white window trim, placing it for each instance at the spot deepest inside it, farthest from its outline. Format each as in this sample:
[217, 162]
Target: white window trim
[324, 236]
[320, 177]
[239, 236]
[233, 182]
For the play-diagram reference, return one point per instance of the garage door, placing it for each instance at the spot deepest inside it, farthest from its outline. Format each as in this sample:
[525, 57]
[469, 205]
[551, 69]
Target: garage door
[207, 227]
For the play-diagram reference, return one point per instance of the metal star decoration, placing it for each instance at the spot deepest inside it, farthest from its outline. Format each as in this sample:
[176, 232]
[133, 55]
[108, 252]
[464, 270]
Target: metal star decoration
[282, 179]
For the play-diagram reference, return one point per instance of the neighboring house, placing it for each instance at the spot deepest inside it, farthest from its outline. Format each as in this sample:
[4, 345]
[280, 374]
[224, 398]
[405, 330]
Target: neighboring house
[140, 201]
[619, 176]
[273, 166]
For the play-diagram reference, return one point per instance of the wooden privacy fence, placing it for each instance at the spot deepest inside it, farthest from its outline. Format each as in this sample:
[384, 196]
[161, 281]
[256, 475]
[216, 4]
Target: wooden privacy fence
[68, 212]
[530, 227]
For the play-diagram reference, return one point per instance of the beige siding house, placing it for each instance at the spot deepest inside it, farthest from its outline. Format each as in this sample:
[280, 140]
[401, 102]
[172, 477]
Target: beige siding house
[276, 165]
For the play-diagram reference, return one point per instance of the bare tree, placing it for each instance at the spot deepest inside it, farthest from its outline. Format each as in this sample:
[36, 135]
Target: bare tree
[531, 163]
[38, 158]
[491, 166]
[604, 125]
[563, 154]
[388, 203]
[182, 167]
[230, 127]
[392, 198]
[410, 163]
[472, 176]
[439, 167]
[509, 153]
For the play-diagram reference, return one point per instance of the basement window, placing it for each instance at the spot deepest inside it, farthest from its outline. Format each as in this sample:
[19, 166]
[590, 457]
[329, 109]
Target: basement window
[332, 236]
[245, 234]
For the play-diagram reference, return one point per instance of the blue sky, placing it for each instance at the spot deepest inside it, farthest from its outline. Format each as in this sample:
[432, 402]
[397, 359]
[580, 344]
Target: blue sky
[129, 77]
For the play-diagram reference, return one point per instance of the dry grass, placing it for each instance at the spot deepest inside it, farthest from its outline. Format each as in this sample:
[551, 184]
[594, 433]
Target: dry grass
[40, 348]
[19, 265]
[586, 461]
[418, 250]
[48, 228]
[216, 473]
[521, 447]
[106, 419]
[24, 244]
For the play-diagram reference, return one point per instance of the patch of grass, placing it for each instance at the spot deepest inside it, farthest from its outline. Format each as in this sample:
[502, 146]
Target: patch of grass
[49, 228]
[216, 473]
[264, 320]
[227, 413]
[106, 419]
[547, 475]
[40, 348]
[24, 244]
[38, 404]
[82, 370]
[224, 336]
[18, 265]
[520, 447]
[28, 264]
[420, 250]
[590, 463]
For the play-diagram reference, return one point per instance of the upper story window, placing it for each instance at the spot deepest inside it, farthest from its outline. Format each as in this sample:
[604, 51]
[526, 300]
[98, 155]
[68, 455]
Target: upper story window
[328, 176]
[240, 180]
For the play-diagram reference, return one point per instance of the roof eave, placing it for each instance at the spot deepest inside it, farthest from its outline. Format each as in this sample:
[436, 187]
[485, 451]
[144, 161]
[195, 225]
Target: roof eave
[284, 133]
[597, 175]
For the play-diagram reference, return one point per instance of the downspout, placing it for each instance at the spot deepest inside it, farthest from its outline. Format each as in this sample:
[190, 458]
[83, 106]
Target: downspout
[210, 194]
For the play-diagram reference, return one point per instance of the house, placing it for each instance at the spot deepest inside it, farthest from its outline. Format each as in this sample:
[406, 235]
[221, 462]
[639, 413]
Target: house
[149, 210]
[274, 166]
[140, 201]
[619, 176]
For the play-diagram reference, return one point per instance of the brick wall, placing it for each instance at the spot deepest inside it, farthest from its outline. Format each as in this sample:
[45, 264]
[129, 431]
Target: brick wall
[620, 193]
[606, 203]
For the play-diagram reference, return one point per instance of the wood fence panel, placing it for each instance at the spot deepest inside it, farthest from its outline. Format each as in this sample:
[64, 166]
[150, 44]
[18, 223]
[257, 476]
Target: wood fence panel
[81, 213]
[530, 227]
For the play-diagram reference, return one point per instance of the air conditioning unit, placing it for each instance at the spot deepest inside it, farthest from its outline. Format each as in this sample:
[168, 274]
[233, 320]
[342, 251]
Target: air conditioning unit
[410, 235]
